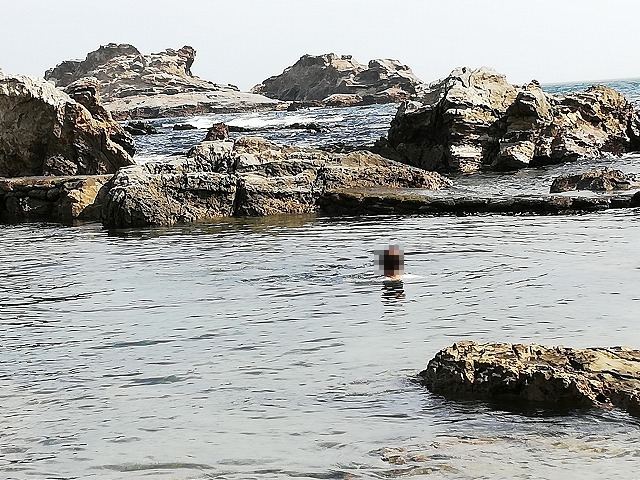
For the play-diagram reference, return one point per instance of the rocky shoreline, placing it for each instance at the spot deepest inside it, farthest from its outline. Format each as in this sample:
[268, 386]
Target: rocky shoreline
[472, 120]
[188, 196]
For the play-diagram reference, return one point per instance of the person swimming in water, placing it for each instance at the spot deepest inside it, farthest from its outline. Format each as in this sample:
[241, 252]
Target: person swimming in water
[391, 262]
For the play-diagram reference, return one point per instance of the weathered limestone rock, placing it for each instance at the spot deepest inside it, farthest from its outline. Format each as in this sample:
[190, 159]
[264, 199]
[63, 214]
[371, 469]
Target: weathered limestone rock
[143, 195]
[474, 119]
[604, 180]
[250, 176]
[454, 125]
[161, 84]
[543, 129]
[383, 201]
[217, 131]
[59, 199]
[43, 131]
[553, 376]
[341, 81]
[531, 109]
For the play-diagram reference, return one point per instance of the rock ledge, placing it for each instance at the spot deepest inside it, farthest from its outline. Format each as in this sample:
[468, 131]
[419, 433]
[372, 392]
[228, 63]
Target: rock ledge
[550, 376]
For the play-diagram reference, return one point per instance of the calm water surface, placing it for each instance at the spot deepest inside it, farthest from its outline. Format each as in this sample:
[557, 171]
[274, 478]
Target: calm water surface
[270, 348]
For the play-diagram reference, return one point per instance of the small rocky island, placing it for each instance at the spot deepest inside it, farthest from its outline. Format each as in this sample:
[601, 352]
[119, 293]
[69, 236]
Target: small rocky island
[516, 375]
[161, 84]
[334, 80]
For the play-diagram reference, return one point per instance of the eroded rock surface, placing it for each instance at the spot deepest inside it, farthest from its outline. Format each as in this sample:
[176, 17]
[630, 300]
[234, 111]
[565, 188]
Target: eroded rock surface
[250, 176]
[52, 199]
[605, 180]
[455, 125]
[161, 84]
[475, 119]
[44, 131]
[342, 81]
[553, 376]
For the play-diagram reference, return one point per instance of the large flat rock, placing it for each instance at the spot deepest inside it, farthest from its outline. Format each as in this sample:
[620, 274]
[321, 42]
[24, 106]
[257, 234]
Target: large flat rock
[518, 374]
[381, 201]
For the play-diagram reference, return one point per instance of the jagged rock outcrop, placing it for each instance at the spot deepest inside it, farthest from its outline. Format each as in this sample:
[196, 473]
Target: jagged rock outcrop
[475, 119]
[44, 131]
[604, 180]
[342, 81]
[250, 176]
[515, 374]
[542, 129]
[134, 85]
[455, 125]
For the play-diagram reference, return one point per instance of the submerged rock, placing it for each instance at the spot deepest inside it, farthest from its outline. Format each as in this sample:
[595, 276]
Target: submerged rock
[604, 180]
[44, 131]
[518, 374]
[138, 127]
[161, 84]
[249, 176]
[342, 81]
[475, 119]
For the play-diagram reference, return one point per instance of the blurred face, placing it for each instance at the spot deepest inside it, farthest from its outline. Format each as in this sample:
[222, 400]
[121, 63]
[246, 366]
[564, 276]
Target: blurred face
[391, 261]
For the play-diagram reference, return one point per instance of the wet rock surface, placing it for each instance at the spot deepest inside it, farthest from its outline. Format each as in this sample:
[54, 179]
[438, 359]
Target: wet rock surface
[44, 131]
[52, 199]
[380, 201]
[475, 119]
[604, 180]
[342, 81]
[247, 177]
[519, 374]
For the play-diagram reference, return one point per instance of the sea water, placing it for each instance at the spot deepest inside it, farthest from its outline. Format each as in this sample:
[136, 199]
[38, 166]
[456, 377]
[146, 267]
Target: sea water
[270, 348]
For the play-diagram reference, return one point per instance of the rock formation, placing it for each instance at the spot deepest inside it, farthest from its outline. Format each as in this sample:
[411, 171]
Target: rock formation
[475, 119]
[454, 126]
[542, 129]
[604, 180]
[247, 177]
[380, 201]
[161, 84]
[44, 131]
[517, 375]
[52, 199]
[342, 81]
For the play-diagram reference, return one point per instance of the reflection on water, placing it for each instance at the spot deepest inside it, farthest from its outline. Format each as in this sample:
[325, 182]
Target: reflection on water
[270, 348]
[393, 289]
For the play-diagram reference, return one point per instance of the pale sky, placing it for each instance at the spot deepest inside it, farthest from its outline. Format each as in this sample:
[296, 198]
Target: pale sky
[243, 42]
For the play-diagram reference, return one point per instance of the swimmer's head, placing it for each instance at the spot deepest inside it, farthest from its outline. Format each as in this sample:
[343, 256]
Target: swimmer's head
[390, 261]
